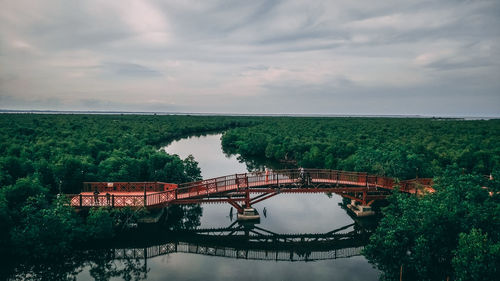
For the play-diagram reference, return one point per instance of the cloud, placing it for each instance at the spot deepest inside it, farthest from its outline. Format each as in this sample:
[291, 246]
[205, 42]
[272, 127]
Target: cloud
[220, 56]
[459, 57]
[129, 70]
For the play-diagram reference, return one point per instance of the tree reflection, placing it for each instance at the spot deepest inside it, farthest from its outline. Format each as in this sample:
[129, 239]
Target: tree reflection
[102, 263]
[183, 216]
[105, 267]
[256, 164]
[126, 256]
[64, 269]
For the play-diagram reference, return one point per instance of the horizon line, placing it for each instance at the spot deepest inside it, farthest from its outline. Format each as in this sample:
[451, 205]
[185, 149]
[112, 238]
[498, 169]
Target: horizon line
[54, 111]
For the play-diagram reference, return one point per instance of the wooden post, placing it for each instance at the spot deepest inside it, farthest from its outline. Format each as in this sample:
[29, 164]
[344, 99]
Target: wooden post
[80, 200]
[145, 198]
[113, 200]
[247, 198]
[145, 260]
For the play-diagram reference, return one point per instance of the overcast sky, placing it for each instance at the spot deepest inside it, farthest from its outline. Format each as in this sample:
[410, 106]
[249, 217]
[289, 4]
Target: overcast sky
[332, 57]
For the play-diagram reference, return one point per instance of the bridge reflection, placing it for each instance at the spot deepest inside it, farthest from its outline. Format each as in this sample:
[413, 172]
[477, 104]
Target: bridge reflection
[241, 241]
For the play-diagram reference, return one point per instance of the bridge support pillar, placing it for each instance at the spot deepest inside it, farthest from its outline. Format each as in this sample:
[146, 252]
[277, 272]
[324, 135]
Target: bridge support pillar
[247, 198]
[360, 210]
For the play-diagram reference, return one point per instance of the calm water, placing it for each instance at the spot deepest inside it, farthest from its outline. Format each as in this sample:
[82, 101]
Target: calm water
[286, 214]
[207, 151]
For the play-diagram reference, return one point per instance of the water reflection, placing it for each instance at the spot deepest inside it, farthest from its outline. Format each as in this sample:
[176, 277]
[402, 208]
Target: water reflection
[129, 258]
[249, 241]
[207, 151]
[144, 253]
[94, 264]
[231, 214]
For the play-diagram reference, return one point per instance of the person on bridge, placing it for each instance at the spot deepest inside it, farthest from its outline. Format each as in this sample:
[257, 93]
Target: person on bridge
[301, 174]
[308, 178]
[267, 175]
[108, 198]
[96, 197]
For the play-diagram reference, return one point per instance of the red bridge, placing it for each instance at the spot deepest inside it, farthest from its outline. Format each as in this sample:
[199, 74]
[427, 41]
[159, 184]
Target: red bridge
[236, 189]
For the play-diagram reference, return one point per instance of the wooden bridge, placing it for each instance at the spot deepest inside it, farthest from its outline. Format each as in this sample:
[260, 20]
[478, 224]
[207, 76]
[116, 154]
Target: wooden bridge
[236, 189]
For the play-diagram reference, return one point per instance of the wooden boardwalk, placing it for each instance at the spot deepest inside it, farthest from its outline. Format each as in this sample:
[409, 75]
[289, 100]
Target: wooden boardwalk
[236, 188]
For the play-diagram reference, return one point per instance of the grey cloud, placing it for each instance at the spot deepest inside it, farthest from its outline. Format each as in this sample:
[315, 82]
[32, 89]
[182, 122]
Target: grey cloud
[99, 104]
[450, 63]
[301, 57]
[94, 104]
[129, 70]
[473, 55]
[13, 102]
[71, 25]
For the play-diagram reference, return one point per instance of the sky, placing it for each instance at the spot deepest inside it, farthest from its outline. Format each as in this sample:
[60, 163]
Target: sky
[435, 58]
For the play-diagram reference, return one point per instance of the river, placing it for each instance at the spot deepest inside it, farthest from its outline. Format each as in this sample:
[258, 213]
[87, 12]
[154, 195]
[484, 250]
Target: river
[286, 214]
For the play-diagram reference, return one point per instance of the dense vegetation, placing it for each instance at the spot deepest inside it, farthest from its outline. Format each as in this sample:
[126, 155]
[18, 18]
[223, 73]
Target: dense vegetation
[402, 148]
[453, 233]
[43, 155]
[64, 150]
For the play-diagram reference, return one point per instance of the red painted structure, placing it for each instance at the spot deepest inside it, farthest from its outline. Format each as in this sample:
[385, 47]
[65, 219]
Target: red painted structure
[238, 188]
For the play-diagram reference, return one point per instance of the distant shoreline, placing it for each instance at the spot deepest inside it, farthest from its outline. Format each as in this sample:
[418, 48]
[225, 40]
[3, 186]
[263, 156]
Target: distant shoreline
[12, 111]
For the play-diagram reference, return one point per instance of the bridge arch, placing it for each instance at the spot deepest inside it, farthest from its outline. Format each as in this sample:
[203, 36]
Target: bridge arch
[238, 189]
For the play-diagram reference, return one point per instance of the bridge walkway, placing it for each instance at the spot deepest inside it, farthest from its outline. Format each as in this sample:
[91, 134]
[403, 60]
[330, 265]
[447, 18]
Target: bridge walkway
[235, 187]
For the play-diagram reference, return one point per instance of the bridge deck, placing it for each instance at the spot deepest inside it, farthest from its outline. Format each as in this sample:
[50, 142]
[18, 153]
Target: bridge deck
[286, 181]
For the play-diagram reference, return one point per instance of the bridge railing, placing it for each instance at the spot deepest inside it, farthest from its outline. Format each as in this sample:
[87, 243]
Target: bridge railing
[282, 177]
[122, 200]
[159, 193]
[237, 181]
[414, 185]
[160, 198]
[207, 186]
[127, 186]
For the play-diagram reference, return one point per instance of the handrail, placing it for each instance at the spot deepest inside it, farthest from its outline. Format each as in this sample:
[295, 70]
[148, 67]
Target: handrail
[273, 176]
[158, 193]
[127, 186]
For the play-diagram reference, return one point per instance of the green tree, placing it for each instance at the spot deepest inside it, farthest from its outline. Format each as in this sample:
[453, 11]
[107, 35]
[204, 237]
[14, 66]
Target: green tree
[100, 223]
[476, 257]
[422, 233]
[45, 229]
